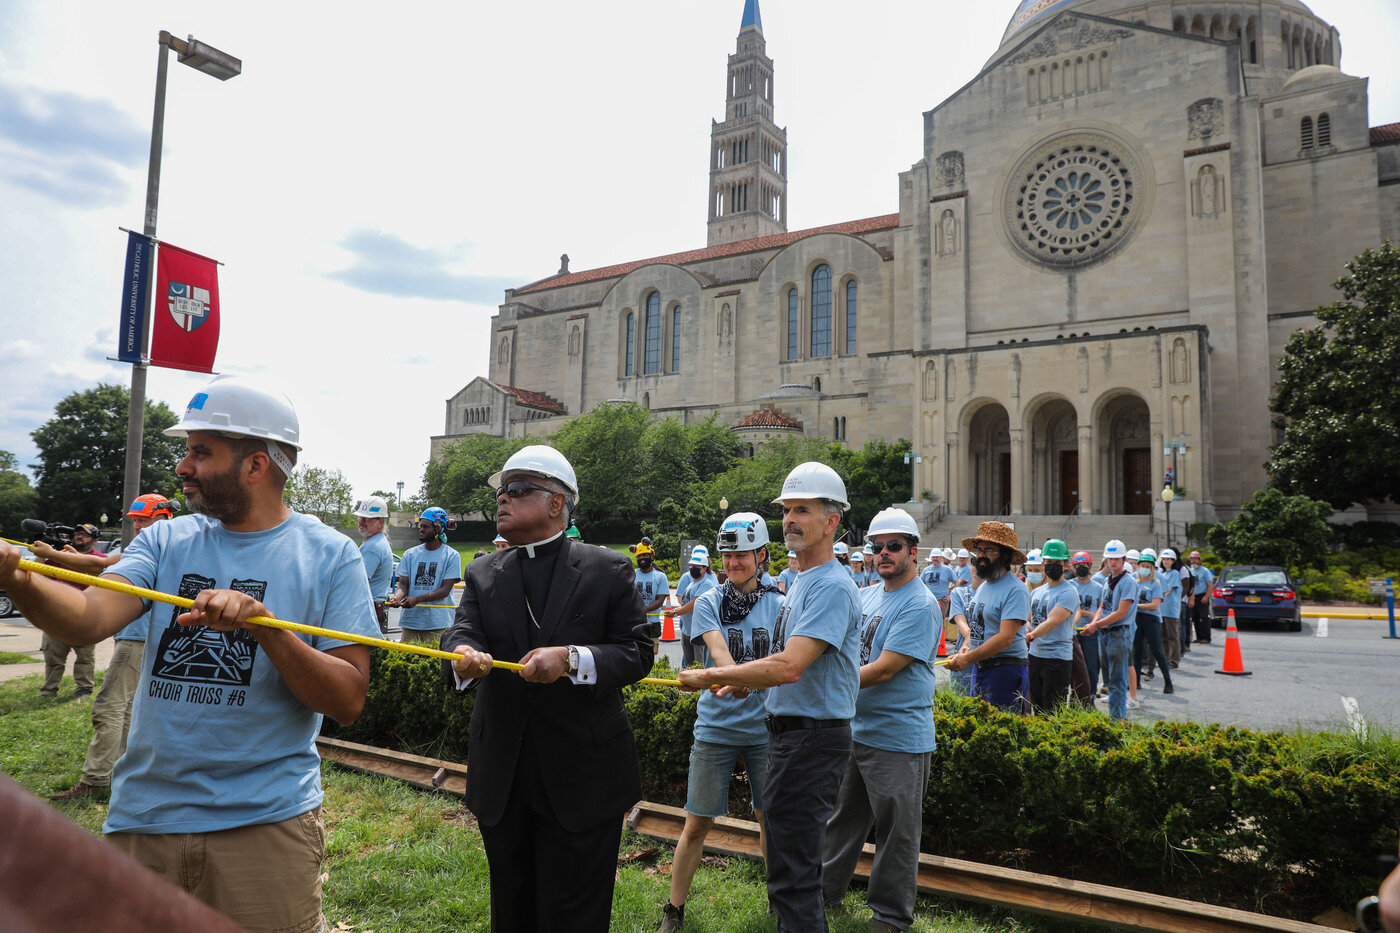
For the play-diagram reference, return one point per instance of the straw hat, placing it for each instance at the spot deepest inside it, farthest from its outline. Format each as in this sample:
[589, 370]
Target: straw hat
[999, 534]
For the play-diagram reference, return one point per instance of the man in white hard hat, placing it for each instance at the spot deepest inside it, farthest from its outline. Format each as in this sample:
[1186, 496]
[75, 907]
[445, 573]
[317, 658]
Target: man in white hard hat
[697, 581]
[859, 575]
[552, 766]
[1116, 617]
[938, 577]
[963, 571]
[892, 731]
[220, 787]
[377, 555]
[812, 678]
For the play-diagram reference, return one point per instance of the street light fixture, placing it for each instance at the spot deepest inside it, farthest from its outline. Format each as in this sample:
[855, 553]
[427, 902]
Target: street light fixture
[910, 459]
[220, 65]
[1168, 494]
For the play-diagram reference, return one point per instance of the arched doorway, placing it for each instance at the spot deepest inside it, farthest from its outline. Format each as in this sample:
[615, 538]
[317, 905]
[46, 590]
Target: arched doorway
[989, 449]
[1125, 428]
[1054, 455]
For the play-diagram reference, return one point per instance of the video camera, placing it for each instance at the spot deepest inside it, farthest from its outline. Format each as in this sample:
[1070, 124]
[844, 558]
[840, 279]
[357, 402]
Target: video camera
[51, 533]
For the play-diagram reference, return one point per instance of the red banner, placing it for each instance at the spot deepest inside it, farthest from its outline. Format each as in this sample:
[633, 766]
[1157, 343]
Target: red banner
[185, 327]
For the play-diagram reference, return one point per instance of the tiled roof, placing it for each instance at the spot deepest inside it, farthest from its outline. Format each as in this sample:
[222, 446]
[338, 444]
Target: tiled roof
[1389, 133]
[868, 225]
[768, 418]
[534, 399]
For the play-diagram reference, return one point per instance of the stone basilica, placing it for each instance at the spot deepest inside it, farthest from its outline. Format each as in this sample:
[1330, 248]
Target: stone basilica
[1112, 231]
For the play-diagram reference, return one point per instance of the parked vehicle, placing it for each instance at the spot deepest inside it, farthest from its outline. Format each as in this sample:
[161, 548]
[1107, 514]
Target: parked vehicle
[1257, 593]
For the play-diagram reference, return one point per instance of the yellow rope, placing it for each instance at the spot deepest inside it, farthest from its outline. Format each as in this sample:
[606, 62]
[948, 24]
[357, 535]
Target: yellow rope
[73, 576]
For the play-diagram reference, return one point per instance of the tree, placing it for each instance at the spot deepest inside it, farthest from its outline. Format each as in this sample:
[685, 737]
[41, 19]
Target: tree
[876, 477]
[388, 497]
[605, 447]
[82, 455]
[1274, 528]
[456, 480]
[1336, 396]
[18, 500]
[320, 492]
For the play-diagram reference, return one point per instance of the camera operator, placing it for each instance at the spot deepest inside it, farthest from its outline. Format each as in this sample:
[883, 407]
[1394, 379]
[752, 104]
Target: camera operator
[79, 556]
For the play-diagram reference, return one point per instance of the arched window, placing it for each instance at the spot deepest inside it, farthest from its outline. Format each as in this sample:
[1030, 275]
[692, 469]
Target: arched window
[835, 429]
[676, 339]
[851, 318]
[651, 358]
[629, 346]
[792, 324]
[821, 311]
[1306, 134]
[1324, 130]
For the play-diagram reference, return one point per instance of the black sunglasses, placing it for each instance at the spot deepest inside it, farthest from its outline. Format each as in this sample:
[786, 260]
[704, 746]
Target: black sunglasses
[520, 487]
[894, 547]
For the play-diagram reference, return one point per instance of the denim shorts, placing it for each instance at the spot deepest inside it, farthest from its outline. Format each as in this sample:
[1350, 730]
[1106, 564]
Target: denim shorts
[710, 768]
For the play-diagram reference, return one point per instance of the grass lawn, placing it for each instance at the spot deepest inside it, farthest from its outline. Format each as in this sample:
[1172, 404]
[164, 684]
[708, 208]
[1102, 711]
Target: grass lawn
[16, 657]
[402, 860]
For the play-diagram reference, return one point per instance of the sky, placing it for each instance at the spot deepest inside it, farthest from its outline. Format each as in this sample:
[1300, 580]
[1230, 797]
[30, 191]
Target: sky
[378, 174]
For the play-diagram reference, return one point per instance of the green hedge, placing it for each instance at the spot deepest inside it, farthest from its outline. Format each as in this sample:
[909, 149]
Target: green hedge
[1284, 823]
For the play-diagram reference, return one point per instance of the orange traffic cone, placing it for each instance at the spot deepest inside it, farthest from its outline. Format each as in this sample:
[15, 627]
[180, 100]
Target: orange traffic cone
[668, 624]
[943, 641]
[1234, 661]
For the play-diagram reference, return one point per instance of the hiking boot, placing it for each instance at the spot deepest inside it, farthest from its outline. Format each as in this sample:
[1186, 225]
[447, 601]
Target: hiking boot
[1167, 688]
[81, 692]
[672, 917]
[77, 791]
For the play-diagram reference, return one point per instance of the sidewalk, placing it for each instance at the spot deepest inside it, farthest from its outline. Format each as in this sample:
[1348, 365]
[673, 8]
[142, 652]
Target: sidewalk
[19, 636]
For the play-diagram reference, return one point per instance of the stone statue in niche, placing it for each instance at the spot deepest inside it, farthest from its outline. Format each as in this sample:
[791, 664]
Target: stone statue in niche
[947, 234]
[950, 385]
[930, 381]
[573, 341]
[948, 171]
[1181, 362]
[1015, 375]
[504, 354]
[1208, 190]
[1083, 360]
[1156, 362]
[726, 321]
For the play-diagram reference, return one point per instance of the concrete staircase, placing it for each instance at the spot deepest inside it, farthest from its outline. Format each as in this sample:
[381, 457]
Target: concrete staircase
[1087, 532]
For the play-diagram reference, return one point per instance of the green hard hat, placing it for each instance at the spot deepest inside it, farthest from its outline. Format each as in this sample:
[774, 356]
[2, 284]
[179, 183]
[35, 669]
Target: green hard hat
[1054, 549]
[573, 533]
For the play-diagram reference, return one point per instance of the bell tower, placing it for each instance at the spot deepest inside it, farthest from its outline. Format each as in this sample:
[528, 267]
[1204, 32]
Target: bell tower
[748, 151]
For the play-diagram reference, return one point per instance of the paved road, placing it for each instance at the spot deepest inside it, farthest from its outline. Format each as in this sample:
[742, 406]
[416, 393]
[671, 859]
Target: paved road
[1331, 676]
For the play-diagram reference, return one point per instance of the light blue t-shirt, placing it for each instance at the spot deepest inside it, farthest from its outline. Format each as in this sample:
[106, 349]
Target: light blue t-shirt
[1148, 590]
[650, 585]
[1204, 578]
[379, 565]
[1090, 592]
[1171, 593]
[767, 579]
[425, 571]
[1058, 643]
[1004, 598]
[963, 573]
[1127, 588]
[823, 604]
[786, 578]
[217, 739]
[938, 580]
[958, 598]
[897, 715]
[690, 588]
[725, 720]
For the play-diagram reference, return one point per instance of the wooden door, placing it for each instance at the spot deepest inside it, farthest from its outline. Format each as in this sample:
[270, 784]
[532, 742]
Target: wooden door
[1137, 481]
[1005, 505]
[1069, 481]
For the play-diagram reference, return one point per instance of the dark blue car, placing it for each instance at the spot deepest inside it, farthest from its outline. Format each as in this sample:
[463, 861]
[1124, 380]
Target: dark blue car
[1257, 593]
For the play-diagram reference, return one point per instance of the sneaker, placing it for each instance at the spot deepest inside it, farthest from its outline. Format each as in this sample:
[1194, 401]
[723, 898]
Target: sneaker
[1148, 675]
[672, 917]
[80, 693]
[78, 790]
[1168, 688]
[1133, 704]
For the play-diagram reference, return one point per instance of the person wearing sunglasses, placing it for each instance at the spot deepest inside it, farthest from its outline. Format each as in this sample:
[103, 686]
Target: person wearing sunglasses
[552, 764]
[892, 732]
[427, 574]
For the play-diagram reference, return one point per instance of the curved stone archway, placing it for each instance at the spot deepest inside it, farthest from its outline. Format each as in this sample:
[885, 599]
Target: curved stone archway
[988, 479]
[1124, 428]
[1055, 469]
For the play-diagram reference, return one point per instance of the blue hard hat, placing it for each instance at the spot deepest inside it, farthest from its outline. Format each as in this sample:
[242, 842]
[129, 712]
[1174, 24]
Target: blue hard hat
[435, 515]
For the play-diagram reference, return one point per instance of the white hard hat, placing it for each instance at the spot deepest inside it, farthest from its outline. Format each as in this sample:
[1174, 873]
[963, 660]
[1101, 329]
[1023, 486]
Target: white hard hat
[893, 522]
[1148, 554]
[499, 539]
[948, 554]
[1132, 556]
[840, 548]
[858, 557]
[539, 460]
[1115, 548]
[814, 480]
[373, 507]
[700, 555]
[1168, 552]
[1033, 556]
[237, 405]
[792, 555]
[868, 550]
[962, 553]
[742, 531]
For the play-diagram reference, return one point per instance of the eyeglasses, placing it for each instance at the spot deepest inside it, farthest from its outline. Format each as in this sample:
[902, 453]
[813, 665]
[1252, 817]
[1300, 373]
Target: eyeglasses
[979, 551]
[520, 487]
[894, 547]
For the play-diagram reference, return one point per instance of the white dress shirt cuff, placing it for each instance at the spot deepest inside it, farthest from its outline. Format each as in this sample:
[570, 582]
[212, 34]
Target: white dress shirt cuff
[587, 671]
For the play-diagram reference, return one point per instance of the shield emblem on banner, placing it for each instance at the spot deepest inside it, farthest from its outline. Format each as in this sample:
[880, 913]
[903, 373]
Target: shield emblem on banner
[189, 305]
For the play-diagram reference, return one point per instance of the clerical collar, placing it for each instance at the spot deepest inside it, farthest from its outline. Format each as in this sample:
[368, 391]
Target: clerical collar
[544, 547]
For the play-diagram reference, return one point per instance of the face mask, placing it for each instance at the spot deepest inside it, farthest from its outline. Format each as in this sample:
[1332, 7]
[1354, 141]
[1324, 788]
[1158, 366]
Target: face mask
[1054, 572]
[1082, 570]
[1035, 577]
[1144, 571]
[697, 572]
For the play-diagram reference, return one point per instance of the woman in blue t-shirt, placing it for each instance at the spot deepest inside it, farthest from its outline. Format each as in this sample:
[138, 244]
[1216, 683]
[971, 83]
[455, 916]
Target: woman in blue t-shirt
[1149, 620]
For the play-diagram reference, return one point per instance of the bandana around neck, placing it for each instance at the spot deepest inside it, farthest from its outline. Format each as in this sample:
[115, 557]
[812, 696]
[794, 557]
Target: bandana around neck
[735, 606]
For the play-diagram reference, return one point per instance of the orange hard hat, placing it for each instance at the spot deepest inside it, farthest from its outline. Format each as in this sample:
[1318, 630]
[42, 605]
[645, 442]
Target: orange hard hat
[153, 505]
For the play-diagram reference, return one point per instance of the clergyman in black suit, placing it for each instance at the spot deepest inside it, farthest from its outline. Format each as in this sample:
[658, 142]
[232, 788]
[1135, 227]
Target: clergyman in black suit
[551, 763]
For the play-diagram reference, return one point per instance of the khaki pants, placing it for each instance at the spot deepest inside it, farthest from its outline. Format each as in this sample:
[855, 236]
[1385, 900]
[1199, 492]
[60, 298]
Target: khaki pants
[413, 636]
[265, 877]
[1171, 640]
[111, 712]
[56, 657]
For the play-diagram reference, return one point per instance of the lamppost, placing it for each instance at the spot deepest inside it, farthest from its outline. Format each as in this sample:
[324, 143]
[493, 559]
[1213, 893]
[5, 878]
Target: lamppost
[220, 65]
[910, 459]
[399, 503]
[723, 508]
[1168, 494]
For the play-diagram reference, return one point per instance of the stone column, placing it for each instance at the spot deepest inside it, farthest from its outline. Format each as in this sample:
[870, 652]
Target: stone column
[1019, 464]
[957, 496]
[1088, 476]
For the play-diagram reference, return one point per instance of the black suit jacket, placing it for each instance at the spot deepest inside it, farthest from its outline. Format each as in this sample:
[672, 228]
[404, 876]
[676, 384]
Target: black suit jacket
[581, 734]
